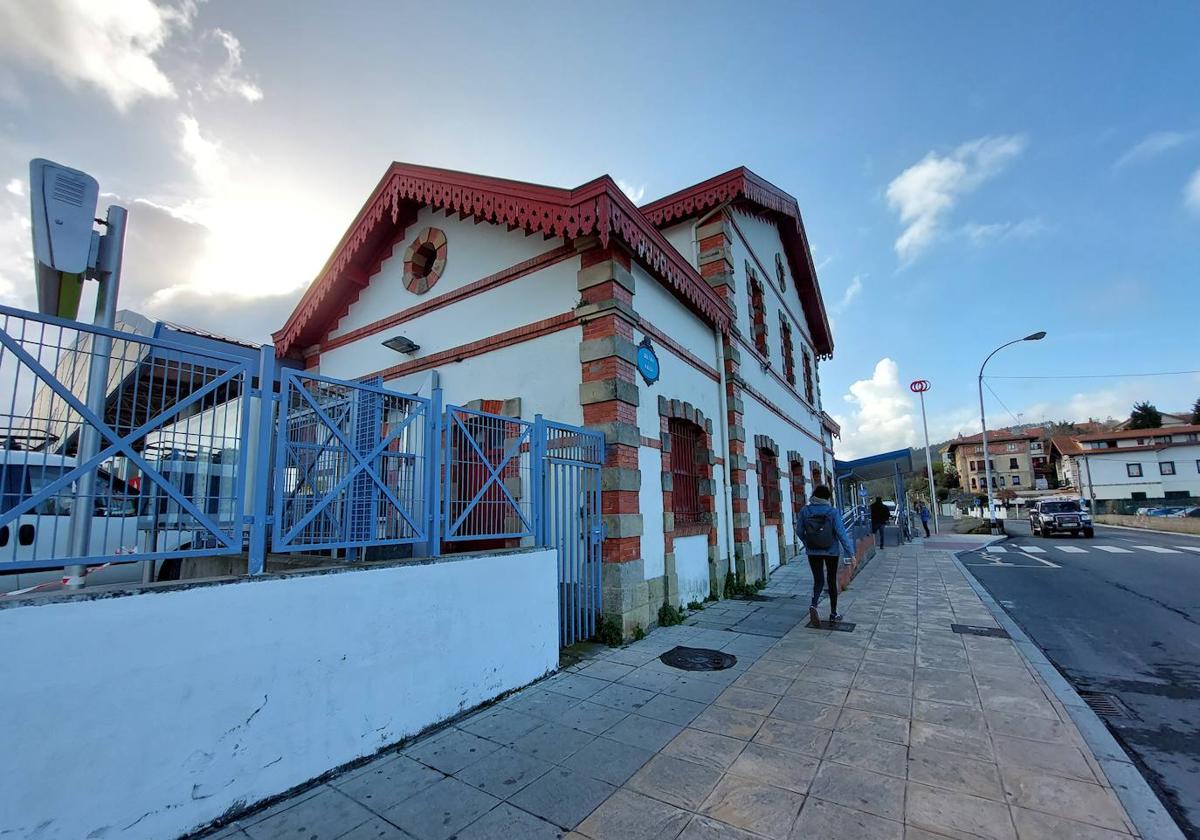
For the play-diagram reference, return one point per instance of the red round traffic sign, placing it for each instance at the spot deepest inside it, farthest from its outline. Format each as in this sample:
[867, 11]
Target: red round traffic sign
[919, 385]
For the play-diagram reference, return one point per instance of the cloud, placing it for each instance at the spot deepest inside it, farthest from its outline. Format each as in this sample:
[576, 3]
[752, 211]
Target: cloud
[1154, 145]
[635, 193]
[229, 79]
[16, 187]
[852, 292]
[1191, 192]
[980, 234]
[925, 193]
[106, 45]
[881, 415]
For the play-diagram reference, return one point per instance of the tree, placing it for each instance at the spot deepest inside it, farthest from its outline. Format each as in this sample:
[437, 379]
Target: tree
[1006, 494]
[948, 478]
[1196, 411]
[1145, 416]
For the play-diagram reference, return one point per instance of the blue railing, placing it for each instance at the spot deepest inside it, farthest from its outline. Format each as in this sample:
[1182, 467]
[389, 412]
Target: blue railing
[176, 452]
[116, 446]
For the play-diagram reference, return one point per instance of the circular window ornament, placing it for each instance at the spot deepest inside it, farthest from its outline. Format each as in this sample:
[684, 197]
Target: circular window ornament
[424, 261]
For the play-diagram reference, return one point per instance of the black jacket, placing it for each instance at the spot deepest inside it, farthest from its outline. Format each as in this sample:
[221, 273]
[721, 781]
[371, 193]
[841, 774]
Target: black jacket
[879, 514]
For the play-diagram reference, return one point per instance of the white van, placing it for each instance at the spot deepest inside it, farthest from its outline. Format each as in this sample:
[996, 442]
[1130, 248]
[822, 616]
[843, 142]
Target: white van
[125, 522]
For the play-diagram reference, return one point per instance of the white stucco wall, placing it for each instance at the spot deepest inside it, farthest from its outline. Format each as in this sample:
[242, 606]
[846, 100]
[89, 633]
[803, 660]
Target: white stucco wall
[678, 380]
[771, 545]
[682, 238]
[151, 714]
[473, 251]
[650, 502]
[691, 568]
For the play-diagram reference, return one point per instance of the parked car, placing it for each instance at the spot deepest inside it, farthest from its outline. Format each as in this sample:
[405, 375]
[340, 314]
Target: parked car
[1056, 516]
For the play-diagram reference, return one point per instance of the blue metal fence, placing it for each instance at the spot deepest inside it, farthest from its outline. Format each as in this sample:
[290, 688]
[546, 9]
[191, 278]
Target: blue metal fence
[352, 464]
[156, 471]
[199, 453]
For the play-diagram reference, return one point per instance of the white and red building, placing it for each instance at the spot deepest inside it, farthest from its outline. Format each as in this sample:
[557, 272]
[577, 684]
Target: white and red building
[529, 299]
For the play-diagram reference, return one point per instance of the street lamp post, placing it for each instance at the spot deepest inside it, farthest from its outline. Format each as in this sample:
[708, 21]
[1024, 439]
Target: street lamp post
[987, 461]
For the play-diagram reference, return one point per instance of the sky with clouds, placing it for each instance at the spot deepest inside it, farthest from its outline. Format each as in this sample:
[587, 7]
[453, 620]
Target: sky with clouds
[967, 173]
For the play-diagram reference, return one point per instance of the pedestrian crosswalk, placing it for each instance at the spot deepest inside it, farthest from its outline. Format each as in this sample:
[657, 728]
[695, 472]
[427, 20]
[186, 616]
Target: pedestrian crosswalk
[1088, 547]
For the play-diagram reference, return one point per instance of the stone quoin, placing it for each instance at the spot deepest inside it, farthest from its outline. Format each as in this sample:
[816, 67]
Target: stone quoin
[538, 298]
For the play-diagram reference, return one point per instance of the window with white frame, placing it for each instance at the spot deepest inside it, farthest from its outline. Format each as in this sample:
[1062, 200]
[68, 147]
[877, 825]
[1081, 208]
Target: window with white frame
[1133, 470]
[1166, 468]
[1012, 447]
[1016, 481]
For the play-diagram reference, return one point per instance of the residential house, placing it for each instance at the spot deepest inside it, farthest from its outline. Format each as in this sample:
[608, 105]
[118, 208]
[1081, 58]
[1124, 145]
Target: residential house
[1019, 460]
[689, 330]
[1132, 464]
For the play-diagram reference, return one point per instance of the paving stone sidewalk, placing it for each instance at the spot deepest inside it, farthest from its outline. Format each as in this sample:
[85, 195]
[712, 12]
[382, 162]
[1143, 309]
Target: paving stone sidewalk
[898, 730]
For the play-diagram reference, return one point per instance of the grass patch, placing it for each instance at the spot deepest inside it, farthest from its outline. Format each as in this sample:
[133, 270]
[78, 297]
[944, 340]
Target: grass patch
[669, 615]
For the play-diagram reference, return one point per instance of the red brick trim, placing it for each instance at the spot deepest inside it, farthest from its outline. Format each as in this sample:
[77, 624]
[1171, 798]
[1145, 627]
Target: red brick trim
[774, 374]
[435, 239]
[651, 443]
[492, 281]
[507, 338]
[677, 349]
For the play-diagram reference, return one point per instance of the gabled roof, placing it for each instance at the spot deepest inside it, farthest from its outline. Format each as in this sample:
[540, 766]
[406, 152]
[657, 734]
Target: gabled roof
[998, 436]
[742, 184]
[597, 208]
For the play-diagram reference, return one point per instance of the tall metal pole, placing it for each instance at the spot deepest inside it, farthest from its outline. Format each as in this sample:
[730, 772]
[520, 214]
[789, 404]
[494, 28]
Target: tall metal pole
[929, 468]
[108, 275]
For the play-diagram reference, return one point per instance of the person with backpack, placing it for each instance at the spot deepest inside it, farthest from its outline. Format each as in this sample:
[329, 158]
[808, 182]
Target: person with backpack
[819, 526]
[879, 518]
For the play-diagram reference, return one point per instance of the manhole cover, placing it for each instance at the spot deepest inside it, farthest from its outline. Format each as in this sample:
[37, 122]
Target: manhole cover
[698, 659]
[1106, 705]
[973, 630]
[841, 626]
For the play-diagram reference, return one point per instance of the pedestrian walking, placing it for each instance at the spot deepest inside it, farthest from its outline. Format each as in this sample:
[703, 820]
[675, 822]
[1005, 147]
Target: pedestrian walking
[819, 526]
[923, 510]
[879, 518]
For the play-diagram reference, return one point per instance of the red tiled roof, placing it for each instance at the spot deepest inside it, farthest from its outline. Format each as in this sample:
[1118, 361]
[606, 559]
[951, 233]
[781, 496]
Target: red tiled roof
[1126, 434]
[998, 436]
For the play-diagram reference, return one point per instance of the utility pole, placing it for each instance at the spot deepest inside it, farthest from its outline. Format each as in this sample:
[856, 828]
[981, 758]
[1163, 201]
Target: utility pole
[919, 387]
[987, 462]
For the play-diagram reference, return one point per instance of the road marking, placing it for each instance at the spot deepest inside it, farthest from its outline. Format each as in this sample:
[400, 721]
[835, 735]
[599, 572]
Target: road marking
[1112, 549]
[1195, 548]
[1071, 549]
[1033, 549]
[1157, 549]
[997, 549]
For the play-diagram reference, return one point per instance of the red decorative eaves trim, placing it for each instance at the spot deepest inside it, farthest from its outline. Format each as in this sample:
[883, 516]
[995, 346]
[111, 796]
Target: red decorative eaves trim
[597, 208]
[742, 184]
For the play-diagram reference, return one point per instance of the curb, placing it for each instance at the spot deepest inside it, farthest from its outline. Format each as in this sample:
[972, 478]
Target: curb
[1148, 530]
[1151, 818]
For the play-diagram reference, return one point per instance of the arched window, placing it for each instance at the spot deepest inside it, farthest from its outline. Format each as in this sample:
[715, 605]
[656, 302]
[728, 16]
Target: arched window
[768, 478]
[686, 451]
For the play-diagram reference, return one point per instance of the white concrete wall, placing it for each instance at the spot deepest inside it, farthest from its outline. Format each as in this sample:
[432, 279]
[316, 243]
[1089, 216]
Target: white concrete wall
[151, 714]
[691, 568]
[1109, 478]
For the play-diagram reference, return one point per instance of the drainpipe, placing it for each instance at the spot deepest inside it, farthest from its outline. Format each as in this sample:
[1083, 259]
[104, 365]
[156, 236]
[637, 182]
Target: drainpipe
[724, 426]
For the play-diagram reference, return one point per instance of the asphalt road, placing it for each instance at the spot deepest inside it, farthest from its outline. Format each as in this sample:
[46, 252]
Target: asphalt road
[1117, 614]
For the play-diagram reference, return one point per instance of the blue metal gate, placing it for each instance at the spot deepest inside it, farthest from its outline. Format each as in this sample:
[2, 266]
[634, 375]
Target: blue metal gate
[569, 494]
[350, 467]
[490, 499]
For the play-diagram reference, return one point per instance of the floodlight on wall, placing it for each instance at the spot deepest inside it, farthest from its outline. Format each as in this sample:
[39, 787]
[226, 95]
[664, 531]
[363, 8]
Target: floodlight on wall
[401, 344]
